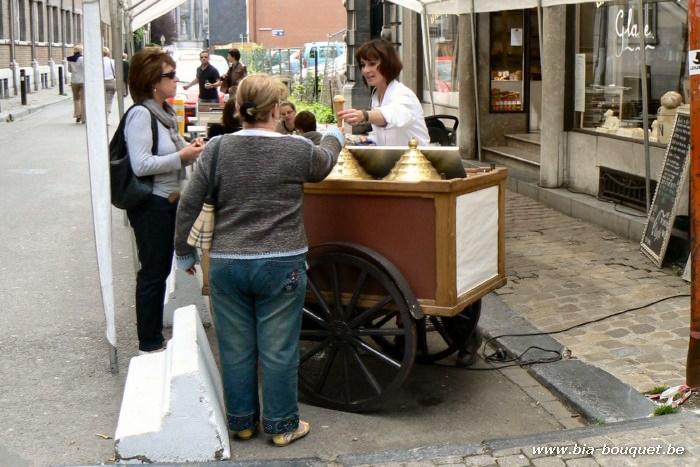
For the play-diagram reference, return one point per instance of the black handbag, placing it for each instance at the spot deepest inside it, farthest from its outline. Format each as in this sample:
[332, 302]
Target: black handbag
[127, 190]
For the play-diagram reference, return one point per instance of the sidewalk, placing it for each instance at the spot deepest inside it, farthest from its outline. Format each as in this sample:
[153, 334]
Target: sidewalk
[12, 108]
[561, 271]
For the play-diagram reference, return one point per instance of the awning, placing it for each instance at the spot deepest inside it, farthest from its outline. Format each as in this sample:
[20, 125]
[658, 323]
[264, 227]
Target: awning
[142, 12]
[456, 7]
[136, 14]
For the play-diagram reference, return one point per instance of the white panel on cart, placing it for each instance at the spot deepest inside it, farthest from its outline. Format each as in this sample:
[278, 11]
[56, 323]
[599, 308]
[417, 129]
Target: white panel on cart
[477, 238]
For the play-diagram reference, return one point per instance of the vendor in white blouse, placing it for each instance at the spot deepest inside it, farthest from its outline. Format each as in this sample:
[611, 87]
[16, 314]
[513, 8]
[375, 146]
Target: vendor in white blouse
[396, 114]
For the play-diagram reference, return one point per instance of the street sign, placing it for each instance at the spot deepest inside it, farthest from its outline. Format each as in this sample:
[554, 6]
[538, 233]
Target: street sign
[278, 32]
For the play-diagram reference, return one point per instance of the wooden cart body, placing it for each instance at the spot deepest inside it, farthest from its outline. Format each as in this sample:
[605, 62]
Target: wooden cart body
[396, 271]
[445, 236]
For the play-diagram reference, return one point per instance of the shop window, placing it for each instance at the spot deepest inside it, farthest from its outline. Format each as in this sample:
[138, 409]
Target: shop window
[608, 78]
[41, 28]
[78, 29]
[507, 60]
[67, 27]
[23, 29]
[444, 43]
[56, 26]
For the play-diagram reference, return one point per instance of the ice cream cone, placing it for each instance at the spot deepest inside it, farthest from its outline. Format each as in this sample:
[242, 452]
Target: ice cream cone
[338, 105]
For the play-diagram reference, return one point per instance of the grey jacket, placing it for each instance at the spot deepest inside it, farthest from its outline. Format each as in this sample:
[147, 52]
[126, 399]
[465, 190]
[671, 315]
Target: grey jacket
[260, 178]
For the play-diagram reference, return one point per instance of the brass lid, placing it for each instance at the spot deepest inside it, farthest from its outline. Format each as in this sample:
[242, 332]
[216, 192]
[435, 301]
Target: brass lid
[347, 168]
[413, 166]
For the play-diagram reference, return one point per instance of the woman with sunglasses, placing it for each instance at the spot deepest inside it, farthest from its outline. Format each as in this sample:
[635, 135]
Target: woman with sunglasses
[152, 80]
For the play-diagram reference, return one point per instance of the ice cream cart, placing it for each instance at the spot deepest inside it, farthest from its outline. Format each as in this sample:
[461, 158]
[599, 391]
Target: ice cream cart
[396, 271]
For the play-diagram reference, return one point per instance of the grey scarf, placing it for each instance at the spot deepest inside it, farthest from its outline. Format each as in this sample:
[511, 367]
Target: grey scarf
[166, 115]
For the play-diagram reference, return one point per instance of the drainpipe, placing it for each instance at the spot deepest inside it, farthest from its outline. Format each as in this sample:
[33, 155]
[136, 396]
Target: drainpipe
[692, 375]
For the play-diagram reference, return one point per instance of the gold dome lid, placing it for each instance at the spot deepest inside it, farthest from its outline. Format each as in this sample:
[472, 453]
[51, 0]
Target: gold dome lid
[347, 168]
[413, 166]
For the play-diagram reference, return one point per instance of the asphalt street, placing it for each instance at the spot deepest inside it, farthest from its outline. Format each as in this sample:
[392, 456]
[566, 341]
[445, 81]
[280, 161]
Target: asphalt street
[59, 403]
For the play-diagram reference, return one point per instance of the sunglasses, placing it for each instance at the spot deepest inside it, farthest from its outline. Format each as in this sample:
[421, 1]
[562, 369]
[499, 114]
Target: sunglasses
[170, 74]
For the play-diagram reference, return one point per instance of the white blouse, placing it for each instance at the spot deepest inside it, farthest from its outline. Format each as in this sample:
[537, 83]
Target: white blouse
[403, 114]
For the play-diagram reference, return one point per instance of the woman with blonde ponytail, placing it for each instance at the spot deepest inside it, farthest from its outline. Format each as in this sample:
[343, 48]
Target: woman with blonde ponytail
[257, 273]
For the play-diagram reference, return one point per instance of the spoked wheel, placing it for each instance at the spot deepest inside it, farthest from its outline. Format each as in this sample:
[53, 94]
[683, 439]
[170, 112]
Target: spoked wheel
[440, 336]
[350, 302]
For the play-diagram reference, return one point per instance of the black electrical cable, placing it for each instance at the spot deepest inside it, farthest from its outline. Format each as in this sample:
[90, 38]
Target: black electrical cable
[499, 354]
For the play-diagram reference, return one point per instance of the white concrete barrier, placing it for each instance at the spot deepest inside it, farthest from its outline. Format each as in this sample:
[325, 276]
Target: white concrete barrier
[173, 406]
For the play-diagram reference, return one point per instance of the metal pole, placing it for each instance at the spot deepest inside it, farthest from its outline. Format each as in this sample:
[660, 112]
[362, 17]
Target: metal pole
[60, 80]
[23, 86]
[115, 14]
[645, 103]
[476, 84]
[540, 27]
[315, 73]
[692, 374]
[426, 56]
[113, 360]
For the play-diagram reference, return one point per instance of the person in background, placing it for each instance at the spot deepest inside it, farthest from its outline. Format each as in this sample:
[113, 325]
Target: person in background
[236, 72]
[77, 82]
[305, 124]
[257, 273]
[288, 112]
[110, 77]
[230, 123]
[152, 80]
[396, 114]
[208, 80]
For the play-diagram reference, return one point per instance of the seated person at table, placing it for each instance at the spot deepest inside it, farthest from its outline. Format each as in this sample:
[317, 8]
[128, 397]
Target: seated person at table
[288, 112]
[230, 123]
[305, 124]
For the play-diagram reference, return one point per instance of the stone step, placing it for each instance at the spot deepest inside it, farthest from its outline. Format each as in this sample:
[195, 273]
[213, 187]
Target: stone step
[527, 145]
[173, 405]
[518, 166]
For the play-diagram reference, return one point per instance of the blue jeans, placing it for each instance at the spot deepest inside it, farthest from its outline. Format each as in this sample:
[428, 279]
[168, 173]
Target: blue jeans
[257, 313]
[154, 228]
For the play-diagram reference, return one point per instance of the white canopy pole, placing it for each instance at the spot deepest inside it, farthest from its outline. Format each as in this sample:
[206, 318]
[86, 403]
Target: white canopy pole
[98, 161]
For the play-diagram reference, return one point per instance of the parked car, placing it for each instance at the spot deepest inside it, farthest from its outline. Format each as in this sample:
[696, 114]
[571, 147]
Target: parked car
[322, 51]
[285, 62]
[186, 62]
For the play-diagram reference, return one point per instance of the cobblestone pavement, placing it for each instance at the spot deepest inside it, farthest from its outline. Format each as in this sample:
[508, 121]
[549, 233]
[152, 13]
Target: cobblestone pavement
[675, 444]
[563, 271]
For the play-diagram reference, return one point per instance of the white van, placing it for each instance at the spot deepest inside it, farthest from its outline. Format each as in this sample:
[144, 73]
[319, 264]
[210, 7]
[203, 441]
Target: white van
[326, 51]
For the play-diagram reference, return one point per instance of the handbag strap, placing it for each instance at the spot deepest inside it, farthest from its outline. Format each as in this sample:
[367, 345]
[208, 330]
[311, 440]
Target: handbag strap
[211, 189]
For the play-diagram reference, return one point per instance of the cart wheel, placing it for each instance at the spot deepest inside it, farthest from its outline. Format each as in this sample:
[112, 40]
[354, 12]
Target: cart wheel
[440, 336]
[351, 301]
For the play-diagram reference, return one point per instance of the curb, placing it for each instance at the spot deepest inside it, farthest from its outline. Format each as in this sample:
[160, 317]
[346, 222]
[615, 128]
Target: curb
[24, 111]
[428, 453]
[592, 392]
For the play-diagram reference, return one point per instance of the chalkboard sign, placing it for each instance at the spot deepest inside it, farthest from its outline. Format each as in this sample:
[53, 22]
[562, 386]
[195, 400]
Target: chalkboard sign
[657, 231]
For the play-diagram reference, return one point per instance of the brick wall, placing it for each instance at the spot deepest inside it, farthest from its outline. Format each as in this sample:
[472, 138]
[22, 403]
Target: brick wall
[302, 21]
